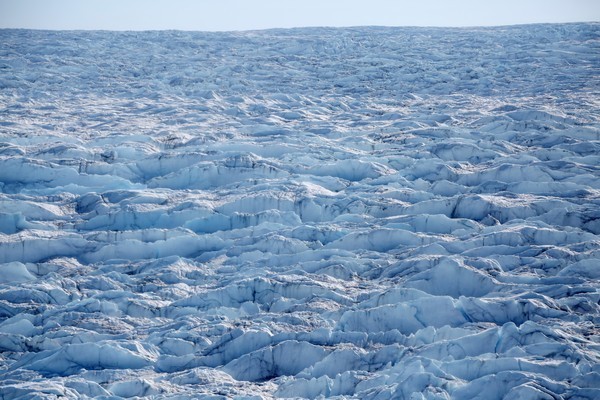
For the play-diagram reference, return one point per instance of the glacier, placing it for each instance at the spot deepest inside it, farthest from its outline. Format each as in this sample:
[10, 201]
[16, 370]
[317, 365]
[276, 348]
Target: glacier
[368, 213]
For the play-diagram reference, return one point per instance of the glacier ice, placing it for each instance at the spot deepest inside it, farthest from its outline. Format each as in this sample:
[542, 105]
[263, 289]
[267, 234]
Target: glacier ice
[368, 213]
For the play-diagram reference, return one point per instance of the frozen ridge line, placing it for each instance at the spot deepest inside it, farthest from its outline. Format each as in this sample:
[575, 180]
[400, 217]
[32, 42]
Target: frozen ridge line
[367, 213]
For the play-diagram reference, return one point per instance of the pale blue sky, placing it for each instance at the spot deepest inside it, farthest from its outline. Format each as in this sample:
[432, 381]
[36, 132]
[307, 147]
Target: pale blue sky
[218, 15]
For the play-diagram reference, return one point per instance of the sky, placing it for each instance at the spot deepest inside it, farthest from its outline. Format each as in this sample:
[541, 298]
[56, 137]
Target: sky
[227, 15]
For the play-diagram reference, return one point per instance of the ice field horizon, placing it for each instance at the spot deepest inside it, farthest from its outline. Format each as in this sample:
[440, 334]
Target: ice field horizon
[350, 213]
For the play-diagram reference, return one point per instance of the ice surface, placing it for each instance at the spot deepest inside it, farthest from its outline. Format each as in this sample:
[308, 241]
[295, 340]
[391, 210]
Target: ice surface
[369, 213]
